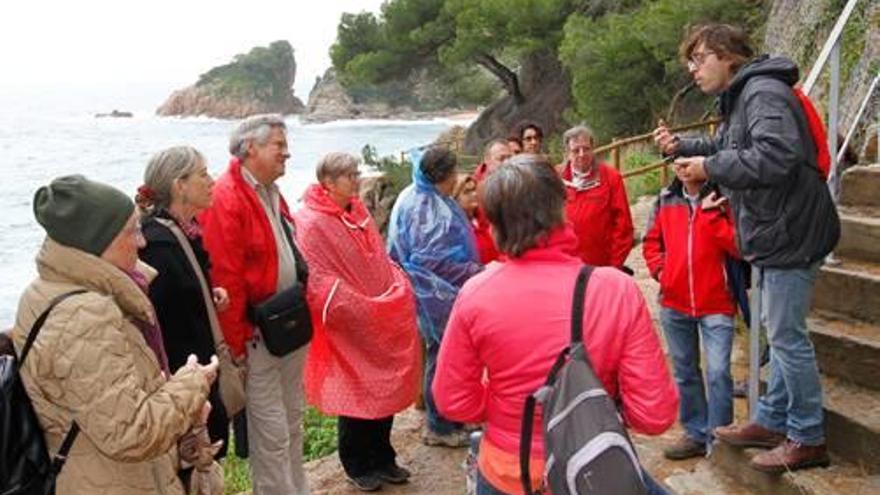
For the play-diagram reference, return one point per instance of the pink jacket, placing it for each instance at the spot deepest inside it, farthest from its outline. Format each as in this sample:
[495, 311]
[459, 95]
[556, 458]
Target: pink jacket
[510, 322]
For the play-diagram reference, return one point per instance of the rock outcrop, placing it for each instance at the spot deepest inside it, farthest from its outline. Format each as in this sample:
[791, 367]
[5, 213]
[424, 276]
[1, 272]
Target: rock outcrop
[546, 89]
[260, 81]
[418, 97]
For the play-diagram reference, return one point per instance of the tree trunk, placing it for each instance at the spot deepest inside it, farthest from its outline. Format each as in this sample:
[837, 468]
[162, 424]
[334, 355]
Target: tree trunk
[508, 77]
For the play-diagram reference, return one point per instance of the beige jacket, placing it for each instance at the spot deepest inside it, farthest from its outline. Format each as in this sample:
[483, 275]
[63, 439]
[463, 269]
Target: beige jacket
[91, 364]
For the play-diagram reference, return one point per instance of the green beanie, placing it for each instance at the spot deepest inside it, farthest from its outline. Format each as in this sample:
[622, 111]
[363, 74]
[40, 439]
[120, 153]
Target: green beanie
[81, 213]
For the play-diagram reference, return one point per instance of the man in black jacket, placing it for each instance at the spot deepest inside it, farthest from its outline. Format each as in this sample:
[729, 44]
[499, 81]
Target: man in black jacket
[764, 160]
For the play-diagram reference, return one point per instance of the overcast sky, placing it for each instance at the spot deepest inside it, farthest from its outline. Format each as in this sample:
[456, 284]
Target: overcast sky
[85, 42]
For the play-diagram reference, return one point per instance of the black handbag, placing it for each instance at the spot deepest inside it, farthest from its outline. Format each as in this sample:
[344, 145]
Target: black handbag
[284, 319]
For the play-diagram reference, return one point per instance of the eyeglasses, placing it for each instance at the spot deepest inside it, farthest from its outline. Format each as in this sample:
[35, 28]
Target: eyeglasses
[696, 60]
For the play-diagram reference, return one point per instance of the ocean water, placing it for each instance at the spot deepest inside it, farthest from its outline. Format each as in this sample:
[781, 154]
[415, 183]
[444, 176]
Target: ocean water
[48, 131]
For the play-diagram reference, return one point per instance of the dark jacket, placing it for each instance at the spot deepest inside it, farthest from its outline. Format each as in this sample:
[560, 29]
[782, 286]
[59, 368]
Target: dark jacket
[180, 307]
[764, 158]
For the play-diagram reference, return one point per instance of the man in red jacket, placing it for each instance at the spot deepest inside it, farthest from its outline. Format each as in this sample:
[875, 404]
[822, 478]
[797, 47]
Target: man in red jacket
[253, 256]
[495, 153]
[596, 203]
[688, 238]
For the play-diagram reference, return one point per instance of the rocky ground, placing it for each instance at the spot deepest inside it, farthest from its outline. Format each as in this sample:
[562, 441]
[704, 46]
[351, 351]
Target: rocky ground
[438, 471]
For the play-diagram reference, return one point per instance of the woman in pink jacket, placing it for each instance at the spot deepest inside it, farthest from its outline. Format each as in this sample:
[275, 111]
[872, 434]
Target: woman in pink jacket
[510, 322]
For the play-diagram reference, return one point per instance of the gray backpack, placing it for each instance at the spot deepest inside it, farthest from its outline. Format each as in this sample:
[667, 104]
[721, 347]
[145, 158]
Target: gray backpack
[587, 449]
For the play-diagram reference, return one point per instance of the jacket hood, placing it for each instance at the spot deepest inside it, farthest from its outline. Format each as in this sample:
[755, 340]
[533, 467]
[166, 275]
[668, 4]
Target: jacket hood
[318, 199]
[59, 263]
[780, 68]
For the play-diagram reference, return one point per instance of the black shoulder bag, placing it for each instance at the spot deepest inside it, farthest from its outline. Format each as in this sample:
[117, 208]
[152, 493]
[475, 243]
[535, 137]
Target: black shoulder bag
[284, 319]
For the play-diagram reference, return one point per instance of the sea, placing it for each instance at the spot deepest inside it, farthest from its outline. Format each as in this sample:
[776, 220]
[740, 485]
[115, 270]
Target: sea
[48, 131]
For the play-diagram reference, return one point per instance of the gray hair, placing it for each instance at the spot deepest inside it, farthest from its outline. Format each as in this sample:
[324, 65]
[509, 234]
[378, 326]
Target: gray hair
[576, 132]
[334, 165]
[165, 167]
[255, 128]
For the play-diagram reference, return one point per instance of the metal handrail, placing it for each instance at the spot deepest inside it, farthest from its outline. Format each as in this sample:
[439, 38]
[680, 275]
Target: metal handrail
[858, 117]
[830, 44]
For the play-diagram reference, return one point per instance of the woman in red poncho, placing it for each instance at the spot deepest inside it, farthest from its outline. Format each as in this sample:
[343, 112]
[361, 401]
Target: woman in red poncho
[363, 364]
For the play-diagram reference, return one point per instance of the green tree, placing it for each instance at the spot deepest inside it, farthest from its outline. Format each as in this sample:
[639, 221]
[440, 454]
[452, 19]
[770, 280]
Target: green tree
[435, 34]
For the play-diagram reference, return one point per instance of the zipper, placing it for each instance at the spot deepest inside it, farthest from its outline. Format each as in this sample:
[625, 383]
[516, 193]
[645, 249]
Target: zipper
[690, 261]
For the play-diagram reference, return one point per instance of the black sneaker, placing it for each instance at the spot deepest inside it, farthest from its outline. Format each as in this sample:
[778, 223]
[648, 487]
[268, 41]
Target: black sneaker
[366, 483]
[684, 448]
[393, 474]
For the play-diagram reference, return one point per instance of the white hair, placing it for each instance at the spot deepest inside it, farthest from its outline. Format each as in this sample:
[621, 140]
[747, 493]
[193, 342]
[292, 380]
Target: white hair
[576, 132]
[256, 128]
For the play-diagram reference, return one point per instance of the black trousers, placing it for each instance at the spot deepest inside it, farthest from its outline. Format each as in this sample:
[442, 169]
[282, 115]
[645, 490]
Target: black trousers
[364, 444]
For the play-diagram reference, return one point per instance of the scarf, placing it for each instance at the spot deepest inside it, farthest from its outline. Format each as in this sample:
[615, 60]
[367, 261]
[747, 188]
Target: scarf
[583, 181]
[151, 331]
[190, 227]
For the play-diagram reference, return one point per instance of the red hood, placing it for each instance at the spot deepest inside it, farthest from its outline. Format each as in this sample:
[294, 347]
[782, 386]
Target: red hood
[561, 240]
[318, 199]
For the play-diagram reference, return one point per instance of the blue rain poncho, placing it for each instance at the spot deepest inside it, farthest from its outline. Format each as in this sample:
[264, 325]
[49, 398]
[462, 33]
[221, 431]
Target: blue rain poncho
[430, 236]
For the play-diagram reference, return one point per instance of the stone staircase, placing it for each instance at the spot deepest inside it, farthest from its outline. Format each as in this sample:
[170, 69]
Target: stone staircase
[845, 328]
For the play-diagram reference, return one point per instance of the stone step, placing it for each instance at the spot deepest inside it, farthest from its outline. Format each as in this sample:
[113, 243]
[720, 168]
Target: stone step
[852, 423]
[861, 186]
[839, 479]
[860, 233]
[704, 478]
[846, 349]
[850, 288]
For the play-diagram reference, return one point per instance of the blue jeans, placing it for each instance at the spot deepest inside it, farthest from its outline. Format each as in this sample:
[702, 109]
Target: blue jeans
[697, 415]
[793, 403]
[484, 488]
[436, 423]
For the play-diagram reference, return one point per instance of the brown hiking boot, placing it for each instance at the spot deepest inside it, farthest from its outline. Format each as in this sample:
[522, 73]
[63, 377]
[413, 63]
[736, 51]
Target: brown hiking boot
[749, 435]
[791, 456]
[684, 448]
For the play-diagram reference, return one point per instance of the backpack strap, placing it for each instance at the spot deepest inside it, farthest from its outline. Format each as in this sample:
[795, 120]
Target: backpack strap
[61, 457]
[40, 321]
[577, 305]
[577, 334]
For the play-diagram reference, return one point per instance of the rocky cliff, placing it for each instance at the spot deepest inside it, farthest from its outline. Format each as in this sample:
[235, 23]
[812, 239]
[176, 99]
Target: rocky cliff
[419, 96]
[260, 81]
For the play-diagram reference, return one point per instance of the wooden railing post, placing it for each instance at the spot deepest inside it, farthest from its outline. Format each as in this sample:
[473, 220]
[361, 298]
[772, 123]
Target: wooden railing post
[615, 154]
[664, 174]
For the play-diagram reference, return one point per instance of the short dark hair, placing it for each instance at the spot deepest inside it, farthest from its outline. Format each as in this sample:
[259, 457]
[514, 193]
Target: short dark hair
[524, 200]
[725, 40]
[526, 125]
[513, 138]
[438, 164]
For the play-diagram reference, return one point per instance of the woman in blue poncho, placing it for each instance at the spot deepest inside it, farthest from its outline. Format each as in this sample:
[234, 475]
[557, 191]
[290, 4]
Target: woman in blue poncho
[430, 236]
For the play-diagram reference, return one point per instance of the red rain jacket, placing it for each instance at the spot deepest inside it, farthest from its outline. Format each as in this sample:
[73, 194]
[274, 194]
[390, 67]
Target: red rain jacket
[365, 356]
[244, 258]
[600, 217]
[688, 249]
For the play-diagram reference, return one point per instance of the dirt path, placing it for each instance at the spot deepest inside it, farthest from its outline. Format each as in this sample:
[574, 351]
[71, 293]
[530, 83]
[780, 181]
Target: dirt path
[438, 471]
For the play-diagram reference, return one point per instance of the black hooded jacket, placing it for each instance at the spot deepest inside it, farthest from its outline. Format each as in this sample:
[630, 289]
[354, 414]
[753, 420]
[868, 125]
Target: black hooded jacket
[764, 159]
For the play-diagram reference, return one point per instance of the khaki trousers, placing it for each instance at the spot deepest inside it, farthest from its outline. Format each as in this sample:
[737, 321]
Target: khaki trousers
[274, 420]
